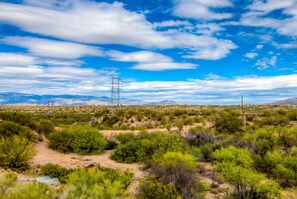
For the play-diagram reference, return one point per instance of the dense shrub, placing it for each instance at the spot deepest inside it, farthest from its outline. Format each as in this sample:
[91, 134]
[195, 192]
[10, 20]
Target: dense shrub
[181, 170]
[15, 152]
[79, 138]
[9, 129]
[249, 184]
[149, 146]
[55, 171]
[152, 189]
[45, 127]
[10, 188]
[24, 119]
[233, 156]
[98, 183]
[228, 121]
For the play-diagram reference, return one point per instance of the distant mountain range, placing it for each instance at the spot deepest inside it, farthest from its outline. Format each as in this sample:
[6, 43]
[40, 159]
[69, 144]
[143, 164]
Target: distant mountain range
[288, 101]
[10, 98]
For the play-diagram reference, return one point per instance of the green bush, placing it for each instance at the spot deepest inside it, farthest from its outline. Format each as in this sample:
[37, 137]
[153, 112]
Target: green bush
[82, 139]
[31, 190]
[15, 152]
[249, 184]
[152, 189]
[45, 127]
[55, 171]
[24, 119]
[181, 170]
[9, 129]
[6, 182]
[234, 156]
[228, 121]
[98, 183]
[148, 146]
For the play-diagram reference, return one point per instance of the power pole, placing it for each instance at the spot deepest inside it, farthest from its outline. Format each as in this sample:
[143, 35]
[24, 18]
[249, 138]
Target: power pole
[115, 97]
[242, 111]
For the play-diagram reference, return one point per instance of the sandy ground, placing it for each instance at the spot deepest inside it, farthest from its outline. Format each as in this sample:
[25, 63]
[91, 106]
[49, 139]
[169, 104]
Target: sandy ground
[46, 155]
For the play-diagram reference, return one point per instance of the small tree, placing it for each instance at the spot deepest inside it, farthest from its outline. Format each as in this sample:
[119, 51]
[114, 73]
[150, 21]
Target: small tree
[228, 121]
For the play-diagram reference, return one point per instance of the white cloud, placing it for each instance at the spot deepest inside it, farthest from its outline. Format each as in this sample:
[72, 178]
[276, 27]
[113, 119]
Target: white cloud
[271, 5]
[259, 46]
[171, 23]
[209, 28]
[164, 66]
[52, 48]
[104, 23]
[12, 59]
[87, 22]
[140, 56]
[149, 61]
[201, 9]
[266, 62]
[251, 55]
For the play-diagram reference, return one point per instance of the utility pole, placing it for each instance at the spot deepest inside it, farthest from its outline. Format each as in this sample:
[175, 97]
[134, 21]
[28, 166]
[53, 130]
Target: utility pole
[115, 97]
[242, 111]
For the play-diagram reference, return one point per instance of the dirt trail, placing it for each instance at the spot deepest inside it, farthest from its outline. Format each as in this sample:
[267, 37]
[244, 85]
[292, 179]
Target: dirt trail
[46, 155]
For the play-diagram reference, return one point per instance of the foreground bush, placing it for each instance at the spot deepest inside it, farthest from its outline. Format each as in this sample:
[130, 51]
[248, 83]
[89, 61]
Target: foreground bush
[55, 171]
[152, 189]
[15, 152]
[98, 183]
[249, 184]
[181, 170]
[10, 188]
[148, 147]
[82, 139]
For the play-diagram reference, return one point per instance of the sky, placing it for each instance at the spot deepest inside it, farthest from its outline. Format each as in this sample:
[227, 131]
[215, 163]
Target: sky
[189, 51]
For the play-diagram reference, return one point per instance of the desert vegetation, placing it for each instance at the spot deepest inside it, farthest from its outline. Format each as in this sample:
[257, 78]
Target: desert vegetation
[184, 152]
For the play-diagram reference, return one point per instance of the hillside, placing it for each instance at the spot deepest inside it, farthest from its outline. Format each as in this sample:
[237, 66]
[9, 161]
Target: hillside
[291, 101]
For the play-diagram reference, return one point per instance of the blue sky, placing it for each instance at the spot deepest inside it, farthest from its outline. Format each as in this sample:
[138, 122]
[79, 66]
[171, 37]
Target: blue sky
[190, 51]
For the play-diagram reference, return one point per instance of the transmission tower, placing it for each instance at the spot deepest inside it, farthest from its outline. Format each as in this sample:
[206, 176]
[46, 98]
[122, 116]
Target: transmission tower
[50, 106]
[115, 98]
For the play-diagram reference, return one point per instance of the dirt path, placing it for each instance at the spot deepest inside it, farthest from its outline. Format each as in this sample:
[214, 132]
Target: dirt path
[46, 155]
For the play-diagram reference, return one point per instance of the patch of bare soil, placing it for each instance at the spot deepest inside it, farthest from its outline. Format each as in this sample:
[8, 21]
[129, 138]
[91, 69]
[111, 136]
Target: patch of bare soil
[46, 155]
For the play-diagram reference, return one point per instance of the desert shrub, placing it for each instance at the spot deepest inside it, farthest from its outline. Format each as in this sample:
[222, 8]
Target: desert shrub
[233, 156]
[98, 183]
[228, 121]
[9, 129]
[45, 127]
[199, 136]
[149, 146]
[15, 152]
[6, 182]
[181, 170]
[249, 184]
[31, 190]
[273, 120]
[123, 138]
[55, 171]
[24, 119]
[152, 189]
[288, 137]
[82, 139]
[111, 145]
[207, 151]
[282, 168]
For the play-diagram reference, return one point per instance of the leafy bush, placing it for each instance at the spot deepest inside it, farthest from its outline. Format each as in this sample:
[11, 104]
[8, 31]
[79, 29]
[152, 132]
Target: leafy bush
[55, 171]
[24, 119]
[15, 152]
[249, 184]
[45, 127]
[152, 189]
[181, 170]
[98, 183]
[228, 121]
[148, 146]
[6, 182]
[82, 139]
[9, 129]
[234, 156]
[31, 190]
